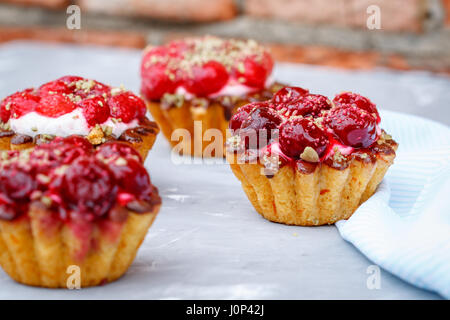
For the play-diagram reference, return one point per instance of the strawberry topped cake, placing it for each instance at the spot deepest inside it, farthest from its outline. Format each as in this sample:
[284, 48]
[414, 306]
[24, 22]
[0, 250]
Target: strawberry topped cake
[203, 79]
[303, 159]
[74, 105]
[64, 204]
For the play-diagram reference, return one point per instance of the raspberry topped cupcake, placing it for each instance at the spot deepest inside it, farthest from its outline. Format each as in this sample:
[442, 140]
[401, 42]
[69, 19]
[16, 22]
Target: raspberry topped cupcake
[303, 159]
[203, 79]
[64, 204]
[74, 105]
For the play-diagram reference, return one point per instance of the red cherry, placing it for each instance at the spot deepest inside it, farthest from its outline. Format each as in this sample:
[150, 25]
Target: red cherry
[95, 110]
[78, 141]
[87, 188]
[304, 105]
[255, 71]
[18, 104]
[298, 133]
[257, 128]
[288, 94]
[70, 79]
[112, 150]
[350, 98]
[132, 177]
[207, 79]
[242, 114]
[16, 182]
[353, 126]
[55, 105]
[126, 106]
[52, 87]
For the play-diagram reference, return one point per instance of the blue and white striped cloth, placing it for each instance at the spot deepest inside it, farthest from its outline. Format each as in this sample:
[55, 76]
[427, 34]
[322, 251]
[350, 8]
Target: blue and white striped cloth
[405, 226]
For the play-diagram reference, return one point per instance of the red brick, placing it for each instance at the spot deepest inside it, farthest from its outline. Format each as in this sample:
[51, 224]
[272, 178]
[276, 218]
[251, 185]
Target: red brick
[397, 15]
[51, 4]
[446, 4]
[107, 38]
[184, 10]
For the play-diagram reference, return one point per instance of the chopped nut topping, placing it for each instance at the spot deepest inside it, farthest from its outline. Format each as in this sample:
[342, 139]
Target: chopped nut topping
[310, 155]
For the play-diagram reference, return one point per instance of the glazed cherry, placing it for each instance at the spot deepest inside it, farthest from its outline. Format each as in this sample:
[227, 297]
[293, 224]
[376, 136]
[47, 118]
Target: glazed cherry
[132, 177]
[242, 114]
[55, 105]
[77, 141]
[95, 110]
[257, 128]
[353, 126]
[112, 150]
[16, 183]
[298, 133]
[350, 98]
[288, 93]
[87, 188]
[254, 72]
[18, 104]
[206, 79]
[304, 105]
[126, 106]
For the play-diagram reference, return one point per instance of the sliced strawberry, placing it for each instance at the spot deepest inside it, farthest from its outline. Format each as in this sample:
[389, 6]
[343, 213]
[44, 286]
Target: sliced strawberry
[55, 105]
[18, 104]
[207, 78]
[126, 106]
[254, 72]
[95, 110]
[53, 87]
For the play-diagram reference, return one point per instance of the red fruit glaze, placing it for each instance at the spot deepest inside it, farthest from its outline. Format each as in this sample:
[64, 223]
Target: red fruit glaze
[126, 106]
[353, 126]
[111, 150]
[296, 134]
[242, 114]
[95, 110]
[304, 105]
[257, 128]
[350, 98]
[288, 94]
[207, 79]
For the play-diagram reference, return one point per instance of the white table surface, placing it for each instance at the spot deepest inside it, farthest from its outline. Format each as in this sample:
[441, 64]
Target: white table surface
[208, 242]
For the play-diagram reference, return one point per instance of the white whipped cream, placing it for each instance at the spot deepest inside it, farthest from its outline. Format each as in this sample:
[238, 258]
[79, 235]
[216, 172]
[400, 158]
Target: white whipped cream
[33, 123]
[232, 88]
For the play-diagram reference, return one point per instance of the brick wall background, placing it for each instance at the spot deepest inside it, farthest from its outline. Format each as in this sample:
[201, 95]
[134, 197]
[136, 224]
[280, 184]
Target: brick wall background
[414, 34]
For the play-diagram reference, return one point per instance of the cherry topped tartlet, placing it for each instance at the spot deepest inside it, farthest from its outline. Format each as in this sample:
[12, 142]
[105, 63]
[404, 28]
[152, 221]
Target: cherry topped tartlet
[64, 204]
[303, 159]
[203, 79]
[74, 105]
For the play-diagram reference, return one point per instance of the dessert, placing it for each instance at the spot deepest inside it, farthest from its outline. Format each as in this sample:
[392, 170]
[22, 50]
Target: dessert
[64, 204]
[203, 79]
[74, 105]
[305, 160]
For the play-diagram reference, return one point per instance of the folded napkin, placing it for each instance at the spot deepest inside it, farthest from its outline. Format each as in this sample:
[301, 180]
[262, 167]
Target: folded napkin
[405, 226]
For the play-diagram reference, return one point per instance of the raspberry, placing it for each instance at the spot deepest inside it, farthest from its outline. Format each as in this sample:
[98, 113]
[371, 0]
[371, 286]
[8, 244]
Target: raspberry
[126, 106]
[353, 126]
[55, 105]
[297, 134]
[242, 114]
[95, 110]
[53, 87]
[254, 73]
[305, 105]
[206, 79]
[288, 93]
[18, 104]
[350, 98]
[87, 188]
[257, 128]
